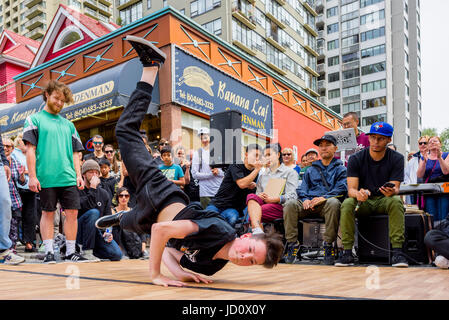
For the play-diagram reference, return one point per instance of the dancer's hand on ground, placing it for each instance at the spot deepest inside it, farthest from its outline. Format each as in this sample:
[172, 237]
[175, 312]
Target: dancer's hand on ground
[188, 276]
[161, 280]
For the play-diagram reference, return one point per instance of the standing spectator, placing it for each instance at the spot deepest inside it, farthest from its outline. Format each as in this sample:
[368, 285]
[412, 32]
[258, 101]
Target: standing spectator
[323, 186]
[239, 181]
[158, 154]
[29, 208]
[107, 181]
[434, 167]
[17, 176]
[97, 142]
[95, 203]
[7, 256]
[209, 178]
[180, 158]
[171, 171]
[53, 166]
[111, 155]
[288, 159]
[261, 206]
[351, 120]
[411, 168]
[369, 171]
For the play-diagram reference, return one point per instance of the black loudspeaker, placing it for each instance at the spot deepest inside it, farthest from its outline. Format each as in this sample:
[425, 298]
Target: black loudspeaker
[375, 230]
[373, 239]
[225, 138]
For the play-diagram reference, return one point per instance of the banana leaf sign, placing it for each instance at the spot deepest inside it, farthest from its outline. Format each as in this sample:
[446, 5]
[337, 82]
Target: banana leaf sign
[204, 88]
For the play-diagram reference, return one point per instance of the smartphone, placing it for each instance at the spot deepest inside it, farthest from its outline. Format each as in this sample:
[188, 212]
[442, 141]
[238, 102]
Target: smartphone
[388, 185]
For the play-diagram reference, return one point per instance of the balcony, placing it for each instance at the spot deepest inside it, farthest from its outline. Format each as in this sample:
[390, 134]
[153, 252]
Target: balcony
[105, 9]
[319, 21]
[36, 33]
[350, 65]
[244, 47]
[91, 4]
[322, 85]
[34, 11]
[311, 29]
[351, 99]
[319, 5]
[31, 3]
[312, 50]
[106, 2]
[90, 12]
[321, 68]
[35, 22]
[240, 16]
[281, 2]
[350, 83]
[351, 32]
[122, 4]
[313, 72]
[350, 49]
[323, 100]
[272, 40]
[309, 5]
[275, 20]
[276, 68]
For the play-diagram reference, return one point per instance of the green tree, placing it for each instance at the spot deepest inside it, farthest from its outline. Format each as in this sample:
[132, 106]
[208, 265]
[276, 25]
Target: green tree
[429, 132]
[444, 136]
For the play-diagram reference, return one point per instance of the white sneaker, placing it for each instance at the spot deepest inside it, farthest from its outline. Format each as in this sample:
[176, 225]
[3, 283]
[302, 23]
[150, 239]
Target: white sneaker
[9, 257]
[442, 262]
[88, 254]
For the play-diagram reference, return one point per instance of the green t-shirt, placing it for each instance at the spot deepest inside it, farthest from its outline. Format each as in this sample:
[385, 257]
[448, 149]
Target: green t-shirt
[55, 139]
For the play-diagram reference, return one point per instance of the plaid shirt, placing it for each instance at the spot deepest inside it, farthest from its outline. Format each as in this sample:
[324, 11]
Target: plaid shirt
[16, 201]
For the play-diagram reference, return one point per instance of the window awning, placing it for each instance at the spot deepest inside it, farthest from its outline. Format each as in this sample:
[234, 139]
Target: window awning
[104, 91]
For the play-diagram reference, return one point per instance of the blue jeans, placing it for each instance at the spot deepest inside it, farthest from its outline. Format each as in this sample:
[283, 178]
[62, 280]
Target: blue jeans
[437, 206]
[230, 215]
[5, 211]
[92, 239]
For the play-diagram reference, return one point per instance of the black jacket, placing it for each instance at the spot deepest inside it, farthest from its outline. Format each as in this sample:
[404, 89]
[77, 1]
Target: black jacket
[94, 199]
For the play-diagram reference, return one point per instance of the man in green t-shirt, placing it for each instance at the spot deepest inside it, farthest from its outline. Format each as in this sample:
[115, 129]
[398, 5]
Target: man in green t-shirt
[53, 162]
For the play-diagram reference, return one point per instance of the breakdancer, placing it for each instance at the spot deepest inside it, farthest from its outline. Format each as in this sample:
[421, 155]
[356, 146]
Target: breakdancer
[183, 235]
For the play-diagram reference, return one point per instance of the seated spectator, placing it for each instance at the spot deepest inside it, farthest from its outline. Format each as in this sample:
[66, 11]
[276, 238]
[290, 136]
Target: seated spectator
[107, 182]
[132, 244]
[97, 142]
[288, 159]
[323, 186]
[434, 167]
[304, 165]
[17, 177]
[112, 158]
[368, 172]
[126, 182]
[411, 168]
[95, 203]
[172, 171]
[262, 207]
[238, 182]
[438, 240]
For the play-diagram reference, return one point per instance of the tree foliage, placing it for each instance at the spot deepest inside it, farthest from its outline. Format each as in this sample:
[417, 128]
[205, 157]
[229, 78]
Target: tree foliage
[444, 136]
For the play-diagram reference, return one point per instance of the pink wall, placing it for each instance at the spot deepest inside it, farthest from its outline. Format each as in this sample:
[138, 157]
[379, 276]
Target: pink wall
[7, 72]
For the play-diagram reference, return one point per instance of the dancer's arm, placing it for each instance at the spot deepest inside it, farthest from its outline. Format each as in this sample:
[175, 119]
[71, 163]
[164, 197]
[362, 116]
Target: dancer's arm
[172, 258]
[161, 232]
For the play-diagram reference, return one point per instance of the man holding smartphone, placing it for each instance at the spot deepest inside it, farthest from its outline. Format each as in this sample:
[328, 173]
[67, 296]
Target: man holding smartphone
[374, 176]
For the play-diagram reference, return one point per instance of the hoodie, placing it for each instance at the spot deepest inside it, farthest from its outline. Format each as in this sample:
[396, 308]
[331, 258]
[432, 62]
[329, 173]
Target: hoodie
[313, 186]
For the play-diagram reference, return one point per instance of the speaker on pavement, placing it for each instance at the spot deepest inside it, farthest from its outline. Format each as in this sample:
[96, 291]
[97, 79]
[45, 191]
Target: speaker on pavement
[225, 138]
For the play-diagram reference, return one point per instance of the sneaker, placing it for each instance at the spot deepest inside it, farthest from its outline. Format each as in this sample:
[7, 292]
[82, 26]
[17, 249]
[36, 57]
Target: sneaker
[442, 262]
[145, 255]
[291, 254]
[9, 257]
[76, 257]
[88, 254]
[329, 254]
[148, 53]
[109, 221]
[398, 260]
[49, 258]
[42, 248]
[347, 259]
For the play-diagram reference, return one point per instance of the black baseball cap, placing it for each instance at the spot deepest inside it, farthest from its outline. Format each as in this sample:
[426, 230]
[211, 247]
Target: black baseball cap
[326, 137]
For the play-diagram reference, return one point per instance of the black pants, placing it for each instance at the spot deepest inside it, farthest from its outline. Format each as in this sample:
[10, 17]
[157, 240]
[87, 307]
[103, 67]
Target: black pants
[438, 241]
[29, 215]
[153, 191]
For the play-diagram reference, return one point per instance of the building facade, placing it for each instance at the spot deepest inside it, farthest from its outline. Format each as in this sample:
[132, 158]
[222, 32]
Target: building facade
[370, 63]
[31, 18]
[280, 33]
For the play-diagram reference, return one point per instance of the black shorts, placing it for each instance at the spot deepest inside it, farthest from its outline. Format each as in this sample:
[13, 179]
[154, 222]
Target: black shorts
[68, 197]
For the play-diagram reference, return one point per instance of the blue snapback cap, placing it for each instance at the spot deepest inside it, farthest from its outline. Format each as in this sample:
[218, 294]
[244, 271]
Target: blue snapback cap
[382, 128]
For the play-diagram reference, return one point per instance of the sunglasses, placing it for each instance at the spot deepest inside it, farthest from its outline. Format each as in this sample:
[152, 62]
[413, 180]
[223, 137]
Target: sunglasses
[97, 143]
[123, 195]
[7, 145]
[164, 144]
[109, 151]
[422, 143]
[286, 154]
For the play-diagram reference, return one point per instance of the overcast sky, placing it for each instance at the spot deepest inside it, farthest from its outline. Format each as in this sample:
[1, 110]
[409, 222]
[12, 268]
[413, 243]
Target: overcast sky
[435, 63]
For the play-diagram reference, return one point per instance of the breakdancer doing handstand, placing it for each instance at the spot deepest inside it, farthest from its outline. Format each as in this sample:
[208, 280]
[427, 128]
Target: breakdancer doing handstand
[182, 234]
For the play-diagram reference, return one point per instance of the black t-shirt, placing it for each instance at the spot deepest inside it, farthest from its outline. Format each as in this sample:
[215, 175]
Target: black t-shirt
[93, 156]
[373, 174]
[229, 195]
[199, 248]
[94, 199]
